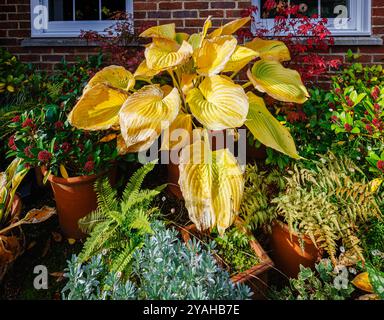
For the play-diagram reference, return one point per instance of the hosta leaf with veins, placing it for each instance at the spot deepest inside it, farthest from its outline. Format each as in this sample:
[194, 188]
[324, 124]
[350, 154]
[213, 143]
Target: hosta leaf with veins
[214, 54]
[163, 54]
[114, 76]
[212, 185]
[145, 114]
[98, 108]
[270, 49]
[267, 129]
[218, 103]
[280, 83]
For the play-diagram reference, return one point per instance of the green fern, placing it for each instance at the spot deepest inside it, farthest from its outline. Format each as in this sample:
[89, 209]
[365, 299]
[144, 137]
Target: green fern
[118, 226]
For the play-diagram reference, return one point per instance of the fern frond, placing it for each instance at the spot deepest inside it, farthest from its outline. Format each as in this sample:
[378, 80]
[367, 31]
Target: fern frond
[136, 181]
[106, 195]
[88, 223]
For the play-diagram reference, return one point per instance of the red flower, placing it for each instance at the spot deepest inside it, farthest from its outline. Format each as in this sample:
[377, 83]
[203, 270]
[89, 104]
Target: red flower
[380, 165]
[348, 127]
[376, 122]
[375, 93]
[27, 152]
[11, 143]
[369, 128]
[377, 107]
[334, 118]
[28, 123]
[16, 119]
[338, 91]
[89, 166]
[59, 125]
[66, 147]
[44, 156]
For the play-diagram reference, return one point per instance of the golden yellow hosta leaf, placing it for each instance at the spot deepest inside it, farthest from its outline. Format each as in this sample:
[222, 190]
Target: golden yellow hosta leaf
[145, 114]
[214, 54]
[114, 76]
[179, 134]
[227, 188]
[230, 28]
[144, 73]
[270, 49]
[167, 31]
[267, 129]
[218, 103]
[362, 282]
[212, 185]
[163, 54]
[239, 59]
[187, 82]
[280, 83]
[98, 108]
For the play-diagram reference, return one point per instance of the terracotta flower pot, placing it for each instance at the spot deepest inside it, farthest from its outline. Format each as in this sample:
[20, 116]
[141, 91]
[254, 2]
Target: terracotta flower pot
[256, 277]
[12, 242]
[288, 253]
[75, 198]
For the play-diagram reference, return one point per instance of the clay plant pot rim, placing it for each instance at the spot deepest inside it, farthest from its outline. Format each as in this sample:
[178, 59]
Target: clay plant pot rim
[71, 180]
[264, 264]
[286, 228]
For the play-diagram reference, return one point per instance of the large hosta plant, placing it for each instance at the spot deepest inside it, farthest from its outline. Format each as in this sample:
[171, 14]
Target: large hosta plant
[202, 95]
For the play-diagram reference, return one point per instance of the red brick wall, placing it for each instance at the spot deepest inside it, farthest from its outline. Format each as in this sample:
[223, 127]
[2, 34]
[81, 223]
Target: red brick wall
[188, 16]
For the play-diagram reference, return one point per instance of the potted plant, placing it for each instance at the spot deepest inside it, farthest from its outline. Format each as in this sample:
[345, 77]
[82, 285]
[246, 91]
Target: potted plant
[200, 95]
[239, 253]
[11, 237]
[320, 211]
[71, 160]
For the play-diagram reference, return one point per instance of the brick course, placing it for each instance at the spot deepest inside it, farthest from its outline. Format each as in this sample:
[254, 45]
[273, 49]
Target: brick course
[188, 15]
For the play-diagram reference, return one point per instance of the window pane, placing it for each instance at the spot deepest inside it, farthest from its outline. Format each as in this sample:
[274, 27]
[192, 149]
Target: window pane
[110, 7]
[307, 8]
[87, 9]
[328, 8]
[60, 10]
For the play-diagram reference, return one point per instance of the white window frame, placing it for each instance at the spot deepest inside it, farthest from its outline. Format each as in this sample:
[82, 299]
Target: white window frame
[359, 23]
[69, 28]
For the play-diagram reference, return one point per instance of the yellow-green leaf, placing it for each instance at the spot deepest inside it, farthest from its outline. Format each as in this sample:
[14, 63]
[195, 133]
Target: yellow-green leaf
[267, 129]
[98, 108]
[270, 49]
[64, 172]
[280, 83]
[230, 28]
[167, 31]
[239, 59]
[145, 114]
[218, 103]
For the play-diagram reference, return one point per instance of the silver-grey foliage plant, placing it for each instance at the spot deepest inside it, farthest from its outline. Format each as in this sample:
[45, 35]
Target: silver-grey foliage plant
[165, 268]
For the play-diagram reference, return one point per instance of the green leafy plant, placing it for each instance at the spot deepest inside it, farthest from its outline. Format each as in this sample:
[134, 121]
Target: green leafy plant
[358, 117]
[164, 268]
[322, 284]
[328, 204]
[372, 236]
[119, 226]
[235, 252]
[260, 187]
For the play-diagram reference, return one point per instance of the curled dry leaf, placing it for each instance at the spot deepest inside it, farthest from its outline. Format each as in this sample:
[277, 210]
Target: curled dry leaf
[39, 215]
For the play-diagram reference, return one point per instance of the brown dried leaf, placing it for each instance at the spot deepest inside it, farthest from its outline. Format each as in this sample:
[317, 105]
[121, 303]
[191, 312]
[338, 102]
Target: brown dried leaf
[39, 215]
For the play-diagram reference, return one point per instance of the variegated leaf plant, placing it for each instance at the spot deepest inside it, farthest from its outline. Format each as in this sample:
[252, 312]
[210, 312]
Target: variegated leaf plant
[204, 95]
